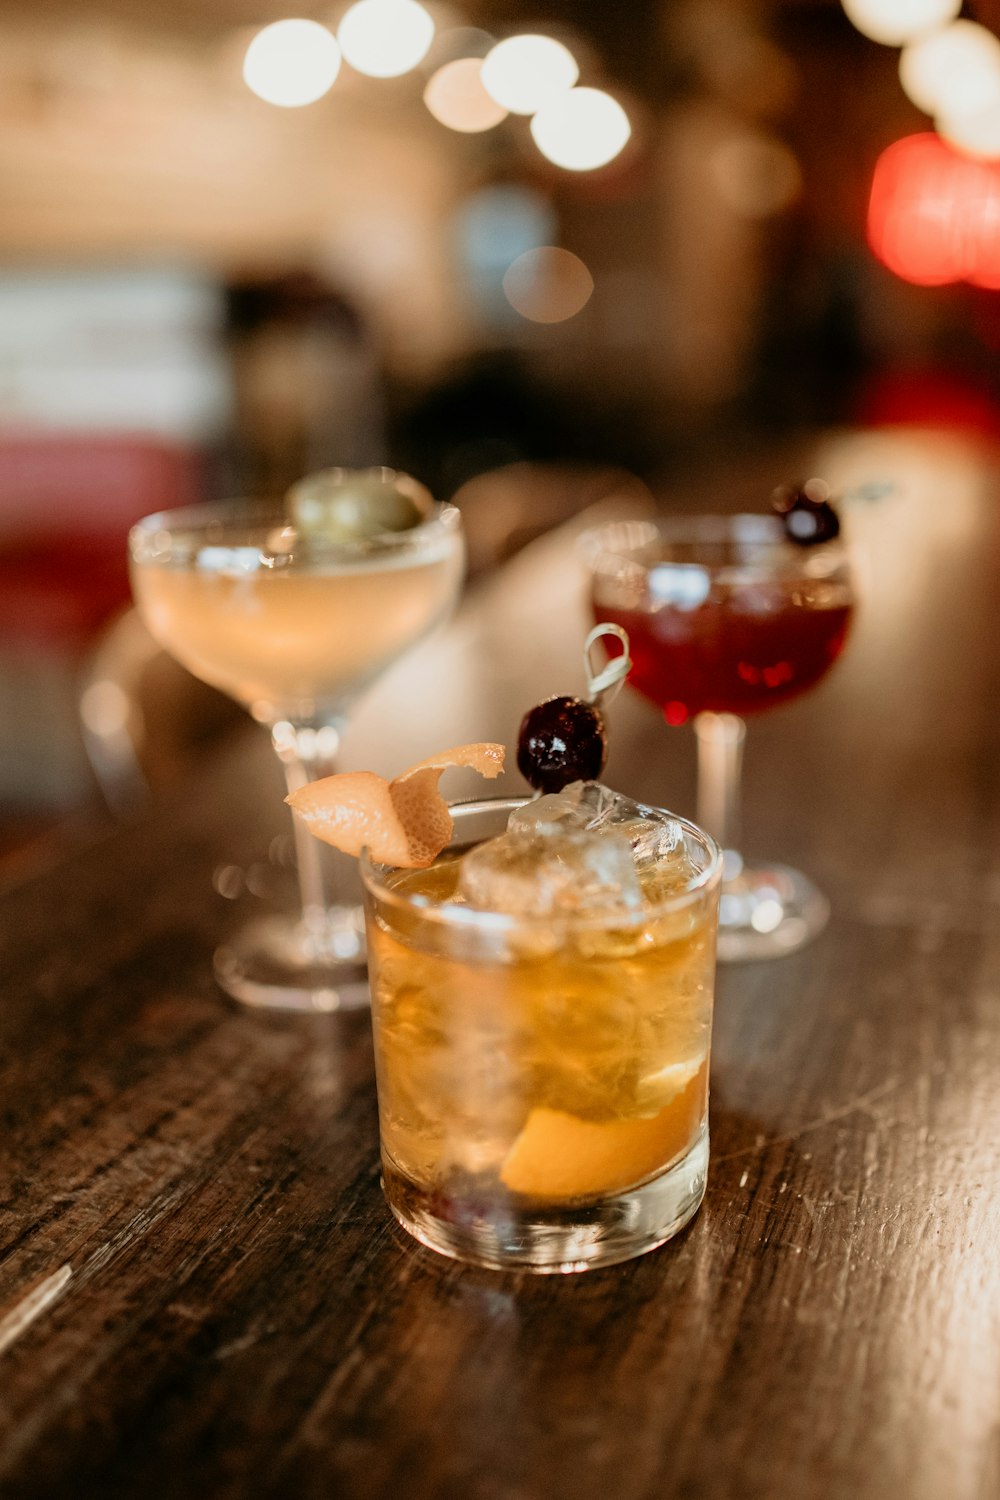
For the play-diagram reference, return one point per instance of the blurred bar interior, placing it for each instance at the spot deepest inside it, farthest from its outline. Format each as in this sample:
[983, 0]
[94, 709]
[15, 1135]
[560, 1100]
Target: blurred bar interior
[234, 251]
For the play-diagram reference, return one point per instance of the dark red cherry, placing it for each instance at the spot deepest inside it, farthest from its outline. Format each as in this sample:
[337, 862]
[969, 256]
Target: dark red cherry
[561, 740]
[806, 513]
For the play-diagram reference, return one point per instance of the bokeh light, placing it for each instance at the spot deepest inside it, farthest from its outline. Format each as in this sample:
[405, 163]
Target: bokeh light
[977, 133]
[548, 285]
[385, 38]
[292, 63]
[934, 215]
[956, 70]
[755, 174]
[895, 22]
[498, 222]
[581, 129]
[916, 243]
[524, 73]
[456, 97]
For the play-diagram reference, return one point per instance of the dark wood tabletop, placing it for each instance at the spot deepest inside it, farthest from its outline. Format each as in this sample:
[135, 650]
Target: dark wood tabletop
[201, 1292]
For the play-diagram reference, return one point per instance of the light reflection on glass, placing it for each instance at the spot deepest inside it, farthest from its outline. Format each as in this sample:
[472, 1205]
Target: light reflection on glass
[682, 587]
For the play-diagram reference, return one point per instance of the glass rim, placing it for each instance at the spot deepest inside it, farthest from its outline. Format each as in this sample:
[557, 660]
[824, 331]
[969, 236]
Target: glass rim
[622, 541]
[465, 918]
[266, 515]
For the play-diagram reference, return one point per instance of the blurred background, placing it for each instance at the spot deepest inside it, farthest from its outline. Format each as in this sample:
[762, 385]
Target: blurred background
[532, 253]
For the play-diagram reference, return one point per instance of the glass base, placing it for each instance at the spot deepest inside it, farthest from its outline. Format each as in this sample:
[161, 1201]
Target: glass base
[500, 1234]
[278, 963]
[766, 911]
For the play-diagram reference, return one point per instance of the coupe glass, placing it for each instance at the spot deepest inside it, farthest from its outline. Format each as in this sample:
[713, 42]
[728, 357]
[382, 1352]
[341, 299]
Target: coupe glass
[726, 618]
[294, 627]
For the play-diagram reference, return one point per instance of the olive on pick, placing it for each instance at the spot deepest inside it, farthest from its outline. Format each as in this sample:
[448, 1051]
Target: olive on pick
[356, 505]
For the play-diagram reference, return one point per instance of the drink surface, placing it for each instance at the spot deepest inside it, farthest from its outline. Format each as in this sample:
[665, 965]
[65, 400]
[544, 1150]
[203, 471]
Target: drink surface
[728, 654]
[283, 637]
[723, 613]
[541, 1061]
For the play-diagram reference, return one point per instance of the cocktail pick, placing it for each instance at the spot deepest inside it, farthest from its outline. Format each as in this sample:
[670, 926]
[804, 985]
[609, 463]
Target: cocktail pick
[564, 739]
[604, 683]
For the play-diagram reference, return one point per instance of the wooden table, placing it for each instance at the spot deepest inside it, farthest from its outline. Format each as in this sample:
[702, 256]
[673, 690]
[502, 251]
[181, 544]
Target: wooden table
[231, 1311]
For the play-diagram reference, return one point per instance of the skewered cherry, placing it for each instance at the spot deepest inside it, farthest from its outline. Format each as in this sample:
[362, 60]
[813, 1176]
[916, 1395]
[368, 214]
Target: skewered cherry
[561, 740]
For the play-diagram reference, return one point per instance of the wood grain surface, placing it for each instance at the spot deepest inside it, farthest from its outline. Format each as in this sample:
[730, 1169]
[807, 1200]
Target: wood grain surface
[223, 1307]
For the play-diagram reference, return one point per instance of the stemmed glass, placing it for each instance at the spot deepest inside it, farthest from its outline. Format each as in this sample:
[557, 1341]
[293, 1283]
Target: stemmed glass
[727, 617]
[294, 625]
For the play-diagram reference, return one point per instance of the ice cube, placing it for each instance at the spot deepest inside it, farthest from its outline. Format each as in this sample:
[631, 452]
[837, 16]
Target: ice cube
[566, 809]
[553, 871]
[656, 839]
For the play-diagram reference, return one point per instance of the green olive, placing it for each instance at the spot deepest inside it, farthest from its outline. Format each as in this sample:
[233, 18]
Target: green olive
[355, 505]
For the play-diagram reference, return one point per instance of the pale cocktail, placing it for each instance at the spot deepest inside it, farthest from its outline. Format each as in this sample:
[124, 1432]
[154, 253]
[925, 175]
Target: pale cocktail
[294, 621]
[287, 635]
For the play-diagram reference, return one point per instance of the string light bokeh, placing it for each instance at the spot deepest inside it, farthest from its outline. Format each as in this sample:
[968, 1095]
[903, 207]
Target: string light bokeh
[292, 63]
[385, 38]
[524, 73]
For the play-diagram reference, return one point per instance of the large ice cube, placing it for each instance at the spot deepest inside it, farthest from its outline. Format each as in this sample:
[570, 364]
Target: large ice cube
[582, 804]
[655, 838]
[552, 871]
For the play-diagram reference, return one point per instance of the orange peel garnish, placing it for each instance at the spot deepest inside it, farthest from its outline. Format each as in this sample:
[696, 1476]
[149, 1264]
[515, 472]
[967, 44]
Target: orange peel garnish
[558, 1155]
[402, 822]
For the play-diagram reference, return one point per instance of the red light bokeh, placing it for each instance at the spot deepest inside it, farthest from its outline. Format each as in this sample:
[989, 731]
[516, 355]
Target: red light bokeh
[934, 214]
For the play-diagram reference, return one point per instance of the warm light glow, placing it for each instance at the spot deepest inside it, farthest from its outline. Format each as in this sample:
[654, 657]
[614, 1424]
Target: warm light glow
[524, 73]
[955, 71]
[104, 708]
[548, 285]
[455, 97]
[894, 22]
[934, 216]
[385, 38]
[755, 174]
[291, 63]
[581, 129]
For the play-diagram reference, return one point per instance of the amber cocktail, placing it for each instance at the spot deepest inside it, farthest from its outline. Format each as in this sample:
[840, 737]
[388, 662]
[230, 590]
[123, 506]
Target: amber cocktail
[542, 1010]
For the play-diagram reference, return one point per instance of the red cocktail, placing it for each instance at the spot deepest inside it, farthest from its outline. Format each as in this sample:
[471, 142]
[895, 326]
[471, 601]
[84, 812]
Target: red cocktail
[726, 616]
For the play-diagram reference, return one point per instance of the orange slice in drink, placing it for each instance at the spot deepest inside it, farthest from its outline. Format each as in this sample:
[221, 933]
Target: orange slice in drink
[560, 1156]
[402, 822]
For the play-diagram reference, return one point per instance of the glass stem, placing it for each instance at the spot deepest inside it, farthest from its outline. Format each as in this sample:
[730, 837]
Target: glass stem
[720, 763]
[308, 752]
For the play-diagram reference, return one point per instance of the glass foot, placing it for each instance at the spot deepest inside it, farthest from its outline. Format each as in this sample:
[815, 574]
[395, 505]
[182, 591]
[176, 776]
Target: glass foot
[766, 911]
[279, 963]
[505, 1234]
